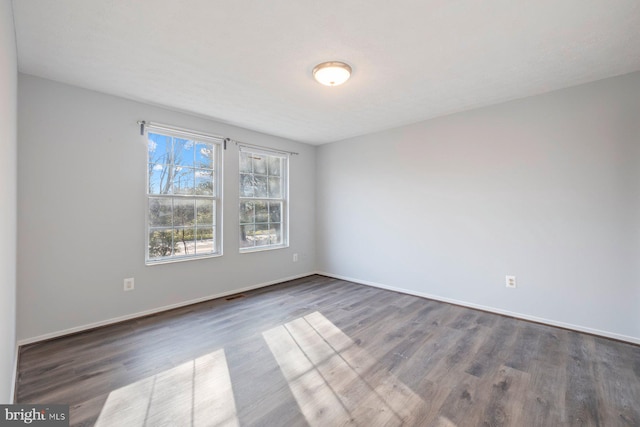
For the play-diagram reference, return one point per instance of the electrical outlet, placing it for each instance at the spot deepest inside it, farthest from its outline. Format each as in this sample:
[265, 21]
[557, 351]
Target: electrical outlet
[510, 281]
[129, 284]
[295, 257]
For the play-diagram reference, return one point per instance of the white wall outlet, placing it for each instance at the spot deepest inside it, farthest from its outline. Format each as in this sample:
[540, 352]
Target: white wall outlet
[129, 284]
[295, 257]
[510, 281]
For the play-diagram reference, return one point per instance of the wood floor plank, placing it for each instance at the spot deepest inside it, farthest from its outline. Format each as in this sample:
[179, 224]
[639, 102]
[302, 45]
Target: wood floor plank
[324, 352]
[583, 403]
[505, 405]
[546, 393]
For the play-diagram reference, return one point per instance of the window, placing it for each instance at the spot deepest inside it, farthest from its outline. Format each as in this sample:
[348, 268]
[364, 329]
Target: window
[263, 199]
[183, 196]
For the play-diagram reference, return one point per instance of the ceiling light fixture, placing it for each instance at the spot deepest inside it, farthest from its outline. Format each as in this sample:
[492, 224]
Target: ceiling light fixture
[332, 73]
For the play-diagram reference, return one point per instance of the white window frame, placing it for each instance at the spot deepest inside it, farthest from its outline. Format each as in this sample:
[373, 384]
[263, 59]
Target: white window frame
[284, 199]
[217, 197]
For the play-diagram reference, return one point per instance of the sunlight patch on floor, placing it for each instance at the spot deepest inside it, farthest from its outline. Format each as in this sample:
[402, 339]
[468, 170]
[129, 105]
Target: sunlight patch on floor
[196, 393]
[445, 422]
[333, 380]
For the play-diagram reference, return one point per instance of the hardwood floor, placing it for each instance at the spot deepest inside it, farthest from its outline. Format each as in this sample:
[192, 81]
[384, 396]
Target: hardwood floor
[324, 352]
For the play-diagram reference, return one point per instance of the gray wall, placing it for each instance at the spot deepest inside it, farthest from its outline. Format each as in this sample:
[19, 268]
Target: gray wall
[81, 198]
[545, 188]
[8, 162]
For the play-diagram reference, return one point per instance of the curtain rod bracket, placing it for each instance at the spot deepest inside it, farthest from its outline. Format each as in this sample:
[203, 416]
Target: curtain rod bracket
[142, 123]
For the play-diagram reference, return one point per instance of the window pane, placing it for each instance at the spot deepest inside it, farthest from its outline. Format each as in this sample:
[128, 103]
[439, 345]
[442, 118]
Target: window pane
[204, 240]
[262, 212]
[159, 148]
[183, 180]
[263, 234]
[159, 179]
[245, 162]
[246, 185]
[247, 239]
[205, 210]
[275, 211]
[204, 155]
[275, 236]
[184, 222]
[260, 186]
[275, 165]
[160, 243]
[184, 239]
[204, 182]
[247, 213]
[259, 163]
[159, 211]
[275, 191]
[183, 212]
[183, 152]
[262, 178]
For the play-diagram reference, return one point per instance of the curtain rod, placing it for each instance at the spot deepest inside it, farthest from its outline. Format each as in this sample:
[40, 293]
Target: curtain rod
[144, 124]
[275, 150]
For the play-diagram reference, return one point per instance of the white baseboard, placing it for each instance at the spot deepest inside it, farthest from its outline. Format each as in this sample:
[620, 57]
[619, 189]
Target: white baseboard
[549, 322]
[154, 311]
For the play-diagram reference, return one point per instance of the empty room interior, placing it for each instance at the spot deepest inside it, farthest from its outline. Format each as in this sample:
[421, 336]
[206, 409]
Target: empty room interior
[290, 213]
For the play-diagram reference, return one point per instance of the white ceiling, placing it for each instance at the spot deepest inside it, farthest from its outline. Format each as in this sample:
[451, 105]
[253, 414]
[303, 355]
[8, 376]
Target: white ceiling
[249, 62]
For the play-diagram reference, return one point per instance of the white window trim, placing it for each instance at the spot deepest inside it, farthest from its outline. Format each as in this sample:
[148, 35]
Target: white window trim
[219, 182]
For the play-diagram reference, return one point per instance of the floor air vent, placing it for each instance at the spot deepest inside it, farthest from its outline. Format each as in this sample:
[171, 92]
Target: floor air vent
[236, 296]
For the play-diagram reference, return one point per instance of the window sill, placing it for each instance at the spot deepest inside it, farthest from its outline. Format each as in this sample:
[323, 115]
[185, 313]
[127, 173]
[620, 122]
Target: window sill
[263, 249]
[181, 259]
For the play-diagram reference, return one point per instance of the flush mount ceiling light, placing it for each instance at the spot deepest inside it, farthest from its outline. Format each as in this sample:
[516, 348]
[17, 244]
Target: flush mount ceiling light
[332, 73]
